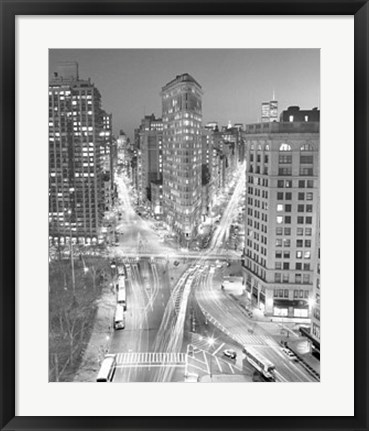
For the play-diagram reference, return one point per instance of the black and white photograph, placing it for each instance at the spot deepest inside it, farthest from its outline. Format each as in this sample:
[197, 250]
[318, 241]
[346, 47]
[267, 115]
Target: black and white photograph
[184, 215]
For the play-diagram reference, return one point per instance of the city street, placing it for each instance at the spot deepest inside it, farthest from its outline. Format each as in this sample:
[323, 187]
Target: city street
[154, 344]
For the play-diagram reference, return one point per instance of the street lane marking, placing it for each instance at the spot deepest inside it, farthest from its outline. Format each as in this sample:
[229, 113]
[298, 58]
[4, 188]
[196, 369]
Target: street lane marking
[218, 362]
[217, 350]
[230, 367]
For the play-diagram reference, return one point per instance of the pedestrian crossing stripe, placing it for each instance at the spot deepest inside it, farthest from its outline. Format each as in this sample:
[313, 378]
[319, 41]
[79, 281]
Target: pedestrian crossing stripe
[261, 340]
[135, 358]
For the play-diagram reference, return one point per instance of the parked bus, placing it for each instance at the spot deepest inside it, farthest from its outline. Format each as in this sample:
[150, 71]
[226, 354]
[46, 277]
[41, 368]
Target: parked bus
[121, 294]
[121, 298]
[119, 320]
[107, 369]
[122, 270]
[121, 283]
[258, 361]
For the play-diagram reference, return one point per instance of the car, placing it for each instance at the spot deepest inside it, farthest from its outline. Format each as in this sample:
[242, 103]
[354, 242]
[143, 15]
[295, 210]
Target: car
[231, 354]
[290, 354]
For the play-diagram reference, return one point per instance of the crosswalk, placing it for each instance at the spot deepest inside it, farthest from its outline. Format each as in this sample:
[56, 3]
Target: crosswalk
[260, 340]
[150, 358]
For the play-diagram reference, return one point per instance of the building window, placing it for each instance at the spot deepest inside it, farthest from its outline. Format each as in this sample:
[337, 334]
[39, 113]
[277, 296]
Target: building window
[278, 265]
[288, 208]
[300, 220]
[306, 159]
[301, 184]
[286, 255]
[301, 196]
[309, 196]
[279, 207]
[306, 147]
[309, 208]
[307, 254]
[287, 231]
[300, 208]
[308, 231]
[279, 219]
[298, 278]
[285, 159]
[299, 243]
[280, 184]
[307, 243]
[308, 220]
[298, 254]
[287, 219]
[279, 231]
[277, 277]
[285, 293]
[278, 243]
[306, 172]
[310, 184]
[286, 265]
[300, 231]
[288, 196]
[286, 277]
[285, 147]
[278, 255]
[280, 196]
[298, 266]
[286, 242]
[306, 266]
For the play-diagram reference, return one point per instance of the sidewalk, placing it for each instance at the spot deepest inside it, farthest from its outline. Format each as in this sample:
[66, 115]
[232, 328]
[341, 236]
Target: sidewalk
[100, 339]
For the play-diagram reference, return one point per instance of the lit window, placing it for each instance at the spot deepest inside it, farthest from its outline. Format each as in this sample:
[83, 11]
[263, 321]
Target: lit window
[285, 147]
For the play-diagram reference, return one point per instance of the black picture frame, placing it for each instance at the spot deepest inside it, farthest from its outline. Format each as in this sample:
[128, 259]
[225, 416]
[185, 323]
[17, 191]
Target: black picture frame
[8, 235]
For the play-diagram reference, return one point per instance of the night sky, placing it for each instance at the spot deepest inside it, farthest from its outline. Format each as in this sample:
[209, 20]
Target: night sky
[235, 81]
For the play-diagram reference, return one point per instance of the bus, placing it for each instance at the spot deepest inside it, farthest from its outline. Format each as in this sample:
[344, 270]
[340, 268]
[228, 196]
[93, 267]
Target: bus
[122, 270]
[119, 320]
[121, 283]
[121, 294]
[121, 298]
[258, 361]
[107, 369]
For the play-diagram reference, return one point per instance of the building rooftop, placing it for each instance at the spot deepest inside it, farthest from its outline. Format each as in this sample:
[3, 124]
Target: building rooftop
[287, 127]
[185, 77]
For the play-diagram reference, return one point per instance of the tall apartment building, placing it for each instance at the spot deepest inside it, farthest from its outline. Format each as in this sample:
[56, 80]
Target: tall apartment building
[282, 215]
[182, 158]
[150, 155]
[76, 197]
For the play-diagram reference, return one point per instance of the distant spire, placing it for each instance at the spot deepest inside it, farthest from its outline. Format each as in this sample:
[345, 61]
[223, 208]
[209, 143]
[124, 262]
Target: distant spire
[273, 94]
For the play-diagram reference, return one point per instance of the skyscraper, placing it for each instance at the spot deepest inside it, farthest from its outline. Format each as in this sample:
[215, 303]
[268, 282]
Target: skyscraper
[282, 215]
[149, 158]
[182, 158]
[269, 111]
[76, 140]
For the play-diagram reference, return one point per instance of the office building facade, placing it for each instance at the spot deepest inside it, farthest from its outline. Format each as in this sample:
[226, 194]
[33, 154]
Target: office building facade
[282, 216]
[269, 111]
[76, 140]
[149, 156]
[182, 155]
